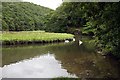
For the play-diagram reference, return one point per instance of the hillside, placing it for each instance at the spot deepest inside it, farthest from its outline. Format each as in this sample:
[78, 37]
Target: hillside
[21, 16]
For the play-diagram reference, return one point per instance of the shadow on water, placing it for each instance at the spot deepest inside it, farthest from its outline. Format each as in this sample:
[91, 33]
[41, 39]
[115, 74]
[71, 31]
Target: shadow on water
[80, 60]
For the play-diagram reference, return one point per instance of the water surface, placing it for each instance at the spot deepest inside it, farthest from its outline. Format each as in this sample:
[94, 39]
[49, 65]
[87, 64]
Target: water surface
[44, 66]
[56, 60]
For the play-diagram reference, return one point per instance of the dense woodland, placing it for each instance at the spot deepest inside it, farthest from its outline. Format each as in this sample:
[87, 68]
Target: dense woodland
[23, 16]
[100, 19]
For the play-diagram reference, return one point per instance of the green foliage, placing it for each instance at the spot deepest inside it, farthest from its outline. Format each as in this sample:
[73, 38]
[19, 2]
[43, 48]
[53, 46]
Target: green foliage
[104, 20]
[22, 16]
[65, 17]
[99, 19]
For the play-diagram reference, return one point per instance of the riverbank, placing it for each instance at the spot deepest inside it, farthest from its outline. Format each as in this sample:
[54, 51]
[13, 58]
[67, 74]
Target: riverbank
[33, 37]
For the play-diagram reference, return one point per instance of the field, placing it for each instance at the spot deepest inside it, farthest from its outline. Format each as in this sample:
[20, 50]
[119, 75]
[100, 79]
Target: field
[32, 36]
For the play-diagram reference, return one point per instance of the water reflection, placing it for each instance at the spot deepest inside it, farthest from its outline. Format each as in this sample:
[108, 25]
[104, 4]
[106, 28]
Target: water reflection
[45, 66]
[80, 60]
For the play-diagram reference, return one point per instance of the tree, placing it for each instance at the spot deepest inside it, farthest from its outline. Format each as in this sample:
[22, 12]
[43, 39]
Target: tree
[22, 16]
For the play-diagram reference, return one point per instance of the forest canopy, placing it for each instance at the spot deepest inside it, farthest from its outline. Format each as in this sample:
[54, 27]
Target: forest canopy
[23, 16]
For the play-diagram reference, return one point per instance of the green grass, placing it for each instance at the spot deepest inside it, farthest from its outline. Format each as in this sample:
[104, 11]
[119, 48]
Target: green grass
[34, 36]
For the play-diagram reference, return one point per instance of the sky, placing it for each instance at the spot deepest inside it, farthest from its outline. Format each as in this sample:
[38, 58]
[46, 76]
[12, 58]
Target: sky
[53, 4]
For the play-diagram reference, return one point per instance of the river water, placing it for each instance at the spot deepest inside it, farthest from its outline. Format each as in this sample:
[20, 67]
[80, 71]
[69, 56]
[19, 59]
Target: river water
[57, 60]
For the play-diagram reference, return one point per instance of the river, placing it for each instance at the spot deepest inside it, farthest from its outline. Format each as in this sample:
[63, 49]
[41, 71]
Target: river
[57, 60]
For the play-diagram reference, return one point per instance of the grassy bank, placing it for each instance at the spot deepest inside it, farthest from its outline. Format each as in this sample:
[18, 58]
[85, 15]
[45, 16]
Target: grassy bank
[33, 37]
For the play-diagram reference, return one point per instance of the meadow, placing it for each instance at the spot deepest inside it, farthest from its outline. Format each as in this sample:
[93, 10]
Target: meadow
[33, 36]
